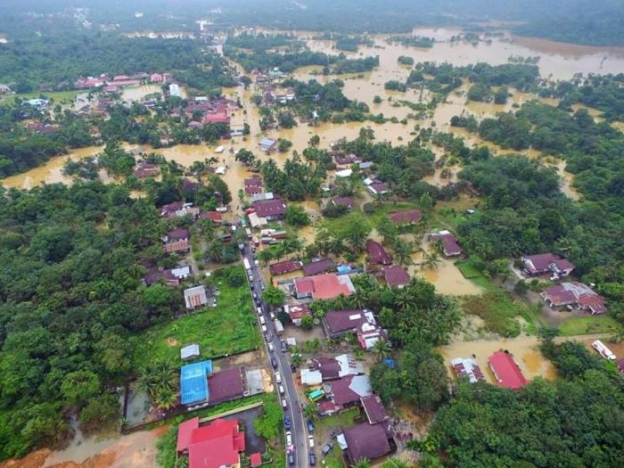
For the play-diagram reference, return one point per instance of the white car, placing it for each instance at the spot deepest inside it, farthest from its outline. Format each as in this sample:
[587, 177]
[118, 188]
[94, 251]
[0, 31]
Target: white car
[281, 390]
[271, 347]
[311, 441]
[288, 438]
[278, 377]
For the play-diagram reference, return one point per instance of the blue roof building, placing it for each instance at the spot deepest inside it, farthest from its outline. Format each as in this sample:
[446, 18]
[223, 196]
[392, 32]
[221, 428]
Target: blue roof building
[194, 382]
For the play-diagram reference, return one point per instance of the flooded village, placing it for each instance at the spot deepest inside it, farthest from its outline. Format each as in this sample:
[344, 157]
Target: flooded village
[478, 349]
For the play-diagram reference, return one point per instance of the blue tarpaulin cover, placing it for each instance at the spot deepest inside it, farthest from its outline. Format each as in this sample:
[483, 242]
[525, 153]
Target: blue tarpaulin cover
[194, 382]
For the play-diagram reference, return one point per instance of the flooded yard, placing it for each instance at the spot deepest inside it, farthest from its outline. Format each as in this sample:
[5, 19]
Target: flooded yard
[524, 350]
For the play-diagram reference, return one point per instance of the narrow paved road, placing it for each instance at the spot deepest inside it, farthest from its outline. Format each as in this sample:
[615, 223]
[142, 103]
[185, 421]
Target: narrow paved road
[293, 411]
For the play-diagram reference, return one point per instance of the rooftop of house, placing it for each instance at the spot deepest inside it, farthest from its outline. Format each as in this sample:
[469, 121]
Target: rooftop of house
[374, 409]
[337, 367]
[319, 266]
[214, 216]
[405, 217]
[195, 297]
[377, 253]
[265, 208]
[281, 268]
[350, 389]
[226, 385]
[297, 311]
[216, 445]
[327, 286]
[177, 234]
[449, 242]
[542, 263]
[346, 201]
[506, 371]
[575, 292]
[467, 368]
[340, 321]
[396, 275]
[194, 382]
[366, 441]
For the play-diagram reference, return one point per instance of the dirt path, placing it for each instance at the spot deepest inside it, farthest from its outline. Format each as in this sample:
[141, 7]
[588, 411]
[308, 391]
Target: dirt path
[137, 450]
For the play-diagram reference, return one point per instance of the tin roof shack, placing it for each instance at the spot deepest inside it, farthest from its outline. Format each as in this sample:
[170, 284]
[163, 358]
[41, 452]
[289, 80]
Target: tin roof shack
[467, 368]
[195, 297]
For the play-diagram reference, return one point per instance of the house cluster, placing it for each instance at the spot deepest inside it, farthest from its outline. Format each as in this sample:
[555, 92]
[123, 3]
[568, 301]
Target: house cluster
[566, 295]
[114, 83]
[339, 383]
[505, 369]
[267, 77]
[207, 111]
[144, 170]
[221, 442]
[272, 95]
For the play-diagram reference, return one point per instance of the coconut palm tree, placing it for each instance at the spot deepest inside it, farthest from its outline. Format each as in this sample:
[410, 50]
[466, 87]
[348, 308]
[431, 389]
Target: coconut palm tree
[381, 350]
[430, 261]
[166, 399]
[395, 463]
[311, 412]
[617, 334]
[362, 463]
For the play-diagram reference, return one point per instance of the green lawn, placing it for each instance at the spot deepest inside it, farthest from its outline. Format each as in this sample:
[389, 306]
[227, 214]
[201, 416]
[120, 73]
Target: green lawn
[228, 328]
[467, 270]
[58, 96]
[498, 308]
[587, 325]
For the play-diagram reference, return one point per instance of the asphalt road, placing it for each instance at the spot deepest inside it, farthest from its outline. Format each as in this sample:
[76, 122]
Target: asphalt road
[298, 429]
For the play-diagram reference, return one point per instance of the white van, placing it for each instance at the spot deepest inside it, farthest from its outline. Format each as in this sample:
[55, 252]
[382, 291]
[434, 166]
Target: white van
[311, 441]
[278, 377]
[284, 403]
[259, 311]
[281, 390]
[288, 438]
[262, 321]
[264, 329]
[271, 348]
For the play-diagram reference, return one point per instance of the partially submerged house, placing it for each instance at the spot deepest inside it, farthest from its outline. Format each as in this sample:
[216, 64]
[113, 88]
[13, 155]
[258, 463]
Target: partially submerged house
[377, 254]
[405, 218]
[145, 170]
[253, 186]
[316, 267]
[270, 209]
[467, 368]
[450, 247]
[506, 371]
[179, 209]
[343, 201]
[575, 294]
[268, 145]
[547, 263]
[396, 276]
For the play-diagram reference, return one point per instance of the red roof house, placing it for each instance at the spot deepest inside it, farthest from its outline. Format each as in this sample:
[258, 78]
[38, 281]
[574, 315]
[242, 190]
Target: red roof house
[255, 459]
[319, 266]
[577, 294]
[270, 209]
[506, 371]
[253, 186]
[403, 218]
[328, 286]
[144, 170]
[281, 268]
[297, 312]
[214, 446]
[396, 276]
[213, 216]
[216, 118]
[377, 253]
[345, 201]
[177, 241]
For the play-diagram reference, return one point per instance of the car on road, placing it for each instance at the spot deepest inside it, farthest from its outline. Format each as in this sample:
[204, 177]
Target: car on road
[281, 390]
[255, 296]
[271, 348]
[268, 336]
[310, 425]
[327, 448]
[291, 458]
[312, 457]
[287, 422]
[283, 346]
[278, 377]
[311, 441]
[274, 363]
[284, 403]
[264, 329]
[262, 286]
[288, 438]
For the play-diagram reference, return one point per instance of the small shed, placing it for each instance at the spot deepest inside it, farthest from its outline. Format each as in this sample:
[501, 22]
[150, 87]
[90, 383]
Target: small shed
[189, 352]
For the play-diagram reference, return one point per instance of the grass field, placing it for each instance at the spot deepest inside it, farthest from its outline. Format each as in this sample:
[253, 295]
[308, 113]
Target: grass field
[587, 325]
[467, 270]
[228, 328]
[65, 97]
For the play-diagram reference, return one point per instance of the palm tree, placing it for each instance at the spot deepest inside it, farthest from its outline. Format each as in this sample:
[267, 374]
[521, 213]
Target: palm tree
[617, 334]
[166, 399]
[310, 412]
[395, 463]
[362, 463]
[438, 246]
[430, 261]
[381, 350]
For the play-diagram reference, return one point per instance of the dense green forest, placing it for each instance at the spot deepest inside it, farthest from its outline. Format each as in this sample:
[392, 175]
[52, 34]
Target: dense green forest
[589, 22]
[70, 296]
